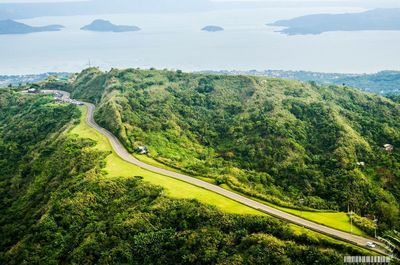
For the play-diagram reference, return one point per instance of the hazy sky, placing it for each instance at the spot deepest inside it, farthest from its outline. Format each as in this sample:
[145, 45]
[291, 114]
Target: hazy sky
[360, 3]
[300, 1]
[36, 1]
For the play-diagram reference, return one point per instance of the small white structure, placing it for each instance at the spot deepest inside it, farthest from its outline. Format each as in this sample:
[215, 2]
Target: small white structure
[388, 147]
[361, 164]
[32, 90]
[142, 150]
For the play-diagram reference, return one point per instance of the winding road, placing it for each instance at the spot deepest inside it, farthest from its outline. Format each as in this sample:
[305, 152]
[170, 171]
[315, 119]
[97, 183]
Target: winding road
[125, 155]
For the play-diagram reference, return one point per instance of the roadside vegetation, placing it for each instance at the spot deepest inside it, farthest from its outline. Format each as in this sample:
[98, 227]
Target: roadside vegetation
[60, 202]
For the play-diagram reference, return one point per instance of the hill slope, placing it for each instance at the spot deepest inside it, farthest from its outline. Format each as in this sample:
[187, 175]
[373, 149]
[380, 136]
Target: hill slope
[269, 138]
[58, 206]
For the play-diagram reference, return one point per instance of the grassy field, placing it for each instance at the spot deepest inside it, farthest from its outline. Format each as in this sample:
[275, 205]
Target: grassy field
[337, 220]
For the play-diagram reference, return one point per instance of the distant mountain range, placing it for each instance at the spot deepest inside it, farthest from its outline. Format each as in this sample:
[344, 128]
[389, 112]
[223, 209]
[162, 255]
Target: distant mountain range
[377, 19]
[107, 26]
[384, 82]
[12, 27]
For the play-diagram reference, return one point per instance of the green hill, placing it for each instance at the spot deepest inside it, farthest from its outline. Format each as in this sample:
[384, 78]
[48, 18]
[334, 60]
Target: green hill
[277, 140]
[57, 206]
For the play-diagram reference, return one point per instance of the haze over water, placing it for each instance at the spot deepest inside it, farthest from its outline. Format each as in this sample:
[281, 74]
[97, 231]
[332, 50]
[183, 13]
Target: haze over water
[175, 41]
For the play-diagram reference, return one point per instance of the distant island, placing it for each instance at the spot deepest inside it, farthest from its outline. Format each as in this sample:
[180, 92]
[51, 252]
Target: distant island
[212, 28]
[106, 26]
[377, 19]
[13, 27]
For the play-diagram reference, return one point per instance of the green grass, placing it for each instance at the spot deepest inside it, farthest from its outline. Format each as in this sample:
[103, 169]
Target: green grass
[153, 162]
[298, 230]
[116, 167]
[337, 220]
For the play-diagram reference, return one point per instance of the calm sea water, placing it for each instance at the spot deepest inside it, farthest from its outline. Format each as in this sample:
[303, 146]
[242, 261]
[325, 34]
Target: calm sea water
[175, 41]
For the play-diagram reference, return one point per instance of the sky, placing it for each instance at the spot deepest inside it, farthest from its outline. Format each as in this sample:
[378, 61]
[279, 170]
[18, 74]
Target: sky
[388, 3]
[361, 3]
[37, 1]
[266, 1]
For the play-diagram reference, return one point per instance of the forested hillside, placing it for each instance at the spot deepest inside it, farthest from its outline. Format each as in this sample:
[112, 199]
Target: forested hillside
[278, 140]
[383, 82]
[57, 206]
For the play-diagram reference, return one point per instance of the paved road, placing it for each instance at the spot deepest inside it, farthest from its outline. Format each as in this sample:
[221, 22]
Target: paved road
[121, 151]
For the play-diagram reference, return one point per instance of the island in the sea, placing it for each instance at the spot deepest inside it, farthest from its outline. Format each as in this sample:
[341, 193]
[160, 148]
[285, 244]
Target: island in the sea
[377, 19]
[9, 26]
[212, 28]
[106, 26]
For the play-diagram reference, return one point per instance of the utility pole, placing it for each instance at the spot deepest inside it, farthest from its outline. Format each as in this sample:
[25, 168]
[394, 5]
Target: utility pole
[301, 200]
[351, 222]
[376, 224]
[348, 207]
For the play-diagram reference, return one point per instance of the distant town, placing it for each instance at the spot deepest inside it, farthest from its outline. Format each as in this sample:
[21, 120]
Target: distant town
[16, 80]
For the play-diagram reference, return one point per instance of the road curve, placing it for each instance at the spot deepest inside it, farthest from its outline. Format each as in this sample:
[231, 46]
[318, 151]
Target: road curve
[125, 155]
